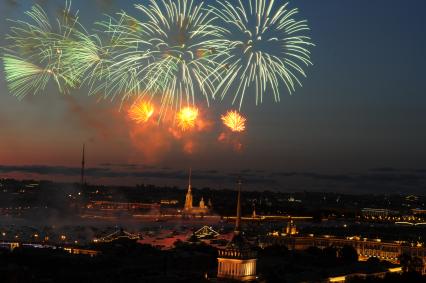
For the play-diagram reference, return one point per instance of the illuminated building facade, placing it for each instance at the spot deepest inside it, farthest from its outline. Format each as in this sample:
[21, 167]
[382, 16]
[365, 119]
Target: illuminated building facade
[419, 212]
[77, 251]
[377, 212]
[291, 228]
[100, 209]
[389, 251]
[237, 260]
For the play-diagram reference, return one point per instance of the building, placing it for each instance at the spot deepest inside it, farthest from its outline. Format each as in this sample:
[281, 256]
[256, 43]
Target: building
[106, 209]
[10, 245]
[377, 212]
[366, 248]
[78, 251]
[419, 212]
[237, 261]
[349, 277]
[291, 228]
[189, 208]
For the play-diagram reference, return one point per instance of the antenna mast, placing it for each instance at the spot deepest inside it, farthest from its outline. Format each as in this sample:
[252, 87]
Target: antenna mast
[83, 163]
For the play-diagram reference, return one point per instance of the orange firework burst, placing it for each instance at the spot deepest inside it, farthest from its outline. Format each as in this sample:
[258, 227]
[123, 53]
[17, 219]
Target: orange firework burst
[187, 117]
[140, 112]
[234, 121]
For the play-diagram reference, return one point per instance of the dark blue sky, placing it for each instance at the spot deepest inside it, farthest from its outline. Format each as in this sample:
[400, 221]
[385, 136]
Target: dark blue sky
[363, 106]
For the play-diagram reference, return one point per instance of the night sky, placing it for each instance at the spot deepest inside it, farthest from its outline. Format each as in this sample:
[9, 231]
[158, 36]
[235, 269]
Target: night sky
[357, 125]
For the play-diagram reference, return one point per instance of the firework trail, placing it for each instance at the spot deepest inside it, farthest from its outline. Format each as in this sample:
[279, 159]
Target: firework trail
[234, 121]
[267, 47]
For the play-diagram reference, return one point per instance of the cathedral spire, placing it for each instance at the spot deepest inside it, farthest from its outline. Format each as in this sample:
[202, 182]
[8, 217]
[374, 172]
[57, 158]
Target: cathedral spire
[238, 219]
[189, 181]
[188, 198]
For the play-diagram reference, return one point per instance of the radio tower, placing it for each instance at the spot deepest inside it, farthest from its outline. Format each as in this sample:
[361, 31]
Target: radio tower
[238, 218]
[82, 167]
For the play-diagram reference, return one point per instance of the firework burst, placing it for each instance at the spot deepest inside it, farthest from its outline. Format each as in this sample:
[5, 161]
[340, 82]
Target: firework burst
[33, 56]
[234, 121]
[186, 118]
[124, 56]
[174, 51]
[141, 112]
[267, 47]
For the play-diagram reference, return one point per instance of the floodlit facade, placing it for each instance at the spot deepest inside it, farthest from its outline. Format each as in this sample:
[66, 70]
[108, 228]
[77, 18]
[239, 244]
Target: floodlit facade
[237, 264]
[389, 251]
[291, 228]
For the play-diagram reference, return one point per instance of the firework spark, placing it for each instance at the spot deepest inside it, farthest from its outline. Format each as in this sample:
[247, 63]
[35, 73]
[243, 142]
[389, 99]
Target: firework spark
[186, 118]
[33, 56]
[234, 121]
[267, 48]
[141, 112]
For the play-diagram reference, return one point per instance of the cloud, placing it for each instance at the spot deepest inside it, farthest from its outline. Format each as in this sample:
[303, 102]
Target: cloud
[151, 141]
[92, 119]
[51, 170]
[378, 180]
[129, 166]
[384, 169]
[133, 171]
[370, 182]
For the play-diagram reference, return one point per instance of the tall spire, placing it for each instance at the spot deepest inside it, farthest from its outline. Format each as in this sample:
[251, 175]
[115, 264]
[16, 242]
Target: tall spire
[188, 198]
[189, 181]
[82, 165]
[238, 219]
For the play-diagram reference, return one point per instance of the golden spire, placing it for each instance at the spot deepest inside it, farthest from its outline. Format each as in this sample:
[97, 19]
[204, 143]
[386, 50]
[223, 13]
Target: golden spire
[190, 175]
[188, 199]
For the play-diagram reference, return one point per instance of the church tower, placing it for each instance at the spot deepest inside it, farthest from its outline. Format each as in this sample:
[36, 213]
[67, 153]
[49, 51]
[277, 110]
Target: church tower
[188, 198]
[237, 260]
[202, 204]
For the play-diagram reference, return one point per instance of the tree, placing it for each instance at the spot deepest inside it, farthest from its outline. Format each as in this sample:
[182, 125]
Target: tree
[329, 254]
[404, 260]
[315, 251]
[410, 264]
[374, 265]
[348, 254]
[416, 265]
[275, 250]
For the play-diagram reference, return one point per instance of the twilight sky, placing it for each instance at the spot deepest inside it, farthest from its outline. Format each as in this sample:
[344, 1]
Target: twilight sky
[357, 125]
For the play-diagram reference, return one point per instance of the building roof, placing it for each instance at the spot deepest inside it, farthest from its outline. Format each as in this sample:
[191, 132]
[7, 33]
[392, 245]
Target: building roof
[238, 248]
